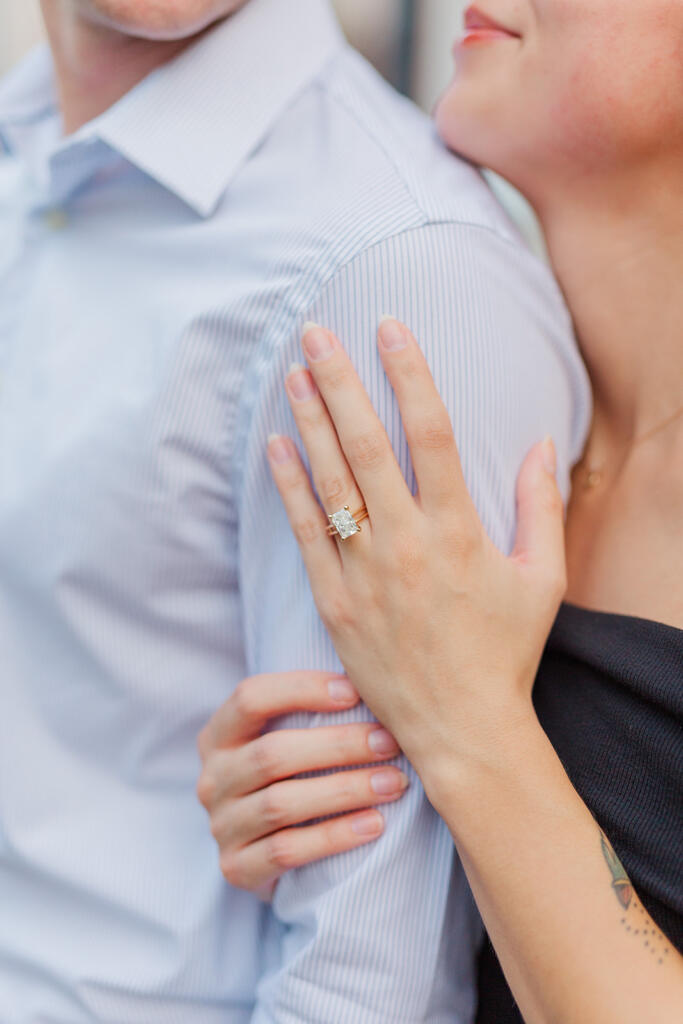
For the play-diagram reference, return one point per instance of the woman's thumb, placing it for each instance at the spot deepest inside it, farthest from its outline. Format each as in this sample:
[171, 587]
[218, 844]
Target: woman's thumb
[540, 513]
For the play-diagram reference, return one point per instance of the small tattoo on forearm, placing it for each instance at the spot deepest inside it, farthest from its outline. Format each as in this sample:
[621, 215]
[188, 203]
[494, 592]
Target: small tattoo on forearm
[636, 919]
[621, 883]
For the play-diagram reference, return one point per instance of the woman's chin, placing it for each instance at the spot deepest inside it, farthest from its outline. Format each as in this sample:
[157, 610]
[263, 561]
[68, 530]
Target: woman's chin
[462, 134]
[484, 140]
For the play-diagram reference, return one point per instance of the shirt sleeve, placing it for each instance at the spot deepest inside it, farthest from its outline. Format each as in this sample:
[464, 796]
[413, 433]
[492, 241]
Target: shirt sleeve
[389, 933]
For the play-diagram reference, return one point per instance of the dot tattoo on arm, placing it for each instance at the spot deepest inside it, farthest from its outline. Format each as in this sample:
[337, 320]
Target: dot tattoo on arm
[623, 889]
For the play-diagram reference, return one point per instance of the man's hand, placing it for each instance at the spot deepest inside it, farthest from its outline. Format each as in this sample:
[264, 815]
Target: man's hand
[249, 786]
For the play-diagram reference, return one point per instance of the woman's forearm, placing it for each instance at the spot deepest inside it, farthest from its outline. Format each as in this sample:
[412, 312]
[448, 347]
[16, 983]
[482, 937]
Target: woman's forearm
[572, 936]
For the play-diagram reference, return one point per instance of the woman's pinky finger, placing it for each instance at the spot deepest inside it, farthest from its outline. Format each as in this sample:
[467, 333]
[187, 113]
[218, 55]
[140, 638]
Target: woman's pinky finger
[306, 518]
[257, 866]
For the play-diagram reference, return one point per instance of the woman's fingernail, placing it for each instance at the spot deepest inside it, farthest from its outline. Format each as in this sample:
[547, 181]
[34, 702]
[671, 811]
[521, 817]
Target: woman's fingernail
[300, 383]
[382, 742]
[392, 335]
[342, 691]
[549, 456]
[279, 448]
[388, 782]
[370, 824]
[317, 343]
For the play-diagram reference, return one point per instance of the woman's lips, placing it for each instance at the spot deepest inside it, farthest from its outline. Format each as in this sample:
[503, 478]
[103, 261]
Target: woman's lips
[480, 28]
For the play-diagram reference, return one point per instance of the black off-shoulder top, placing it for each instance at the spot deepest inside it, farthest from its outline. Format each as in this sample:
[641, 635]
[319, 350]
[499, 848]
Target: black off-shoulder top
[609, 695]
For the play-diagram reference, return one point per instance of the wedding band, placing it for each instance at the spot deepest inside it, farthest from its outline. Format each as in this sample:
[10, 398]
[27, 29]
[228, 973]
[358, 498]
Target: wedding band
[344, 524]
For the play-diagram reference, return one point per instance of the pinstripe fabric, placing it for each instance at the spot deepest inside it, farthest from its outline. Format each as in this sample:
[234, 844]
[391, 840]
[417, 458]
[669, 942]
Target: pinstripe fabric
[145, 562]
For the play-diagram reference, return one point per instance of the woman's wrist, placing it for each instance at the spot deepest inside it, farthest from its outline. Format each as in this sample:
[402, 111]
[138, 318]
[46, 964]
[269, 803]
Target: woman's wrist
[487, 747]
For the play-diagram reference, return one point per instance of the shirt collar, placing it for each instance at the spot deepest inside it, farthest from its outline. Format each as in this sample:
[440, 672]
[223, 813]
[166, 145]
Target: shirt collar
[28, 90]
[192, 123]
[27, 95]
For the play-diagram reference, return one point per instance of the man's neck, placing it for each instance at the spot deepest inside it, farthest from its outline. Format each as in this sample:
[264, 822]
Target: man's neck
[618, 254]
[95, 66]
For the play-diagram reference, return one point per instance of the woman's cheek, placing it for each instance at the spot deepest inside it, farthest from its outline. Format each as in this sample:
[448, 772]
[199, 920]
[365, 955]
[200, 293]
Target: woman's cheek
[618, 91]
[597, 125]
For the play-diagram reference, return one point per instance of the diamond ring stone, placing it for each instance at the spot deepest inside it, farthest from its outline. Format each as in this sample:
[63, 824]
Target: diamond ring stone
[345, 524]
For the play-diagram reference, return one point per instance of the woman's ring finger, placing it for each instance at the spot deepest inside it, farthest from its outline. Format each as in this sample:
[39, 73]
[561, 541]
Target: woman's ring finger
[332, 477]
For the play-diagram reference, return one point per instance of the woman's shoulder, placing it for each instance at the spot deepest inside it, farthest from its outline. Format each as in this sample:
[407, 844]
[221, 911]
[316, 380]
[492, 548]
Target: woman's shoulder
[639, 655]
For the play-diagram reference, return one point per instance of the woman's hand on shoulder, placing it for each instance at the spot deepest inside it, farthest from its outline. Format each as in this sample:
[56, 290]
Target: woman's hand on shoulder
[249, 784]
[440, 632]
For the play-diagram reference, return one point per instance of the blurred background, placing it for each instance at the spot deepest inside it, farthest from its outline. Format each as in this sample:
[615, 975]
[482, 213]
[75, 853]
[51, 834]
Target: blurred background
[409, 41]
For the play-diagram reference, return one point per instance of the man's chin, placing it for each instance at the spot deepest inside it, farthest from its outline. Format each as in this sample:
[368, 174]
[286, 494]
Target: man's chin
[157, 22]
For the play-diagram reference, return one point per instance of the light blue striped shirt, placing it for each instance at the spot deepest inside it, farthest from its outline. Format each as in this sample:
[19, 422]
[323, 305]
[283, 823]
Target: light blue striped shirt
[155, 270]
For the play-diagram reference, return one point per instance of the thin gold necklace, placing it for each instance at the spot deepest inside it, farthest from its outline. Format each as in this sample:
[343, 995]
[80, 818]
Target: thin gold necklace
[593, 473]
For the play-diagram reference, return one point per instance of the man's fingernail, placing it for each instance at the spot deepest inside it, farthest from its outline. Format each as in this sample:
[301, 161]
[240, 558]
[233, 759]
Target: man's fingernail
[342, 691]
[370, 824]
[300, 383]
[279, 448]
[388, 782]
[549, 456]
[317, 343]
[382, 742]
[392, 335]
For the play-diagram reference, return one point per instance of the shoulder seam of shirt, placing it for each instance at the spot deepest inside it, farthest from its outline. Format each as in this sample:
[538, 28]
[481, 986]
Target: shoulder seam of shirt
[325, 86]
[301, 297]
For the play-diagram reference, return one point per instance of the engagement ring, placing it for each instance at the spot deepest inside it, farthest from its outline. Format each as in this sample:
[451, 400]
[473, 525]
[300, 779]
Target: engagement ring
[344, 524]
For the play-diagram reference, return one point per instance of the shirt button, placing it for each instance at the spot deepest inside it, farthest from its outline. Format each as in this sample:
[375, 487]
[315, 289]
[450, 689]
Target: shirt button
[55, 219]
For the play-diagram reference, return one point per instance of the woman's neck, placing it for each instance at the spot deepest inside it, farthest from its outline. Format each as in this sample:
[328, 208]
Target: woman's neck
[618, 253]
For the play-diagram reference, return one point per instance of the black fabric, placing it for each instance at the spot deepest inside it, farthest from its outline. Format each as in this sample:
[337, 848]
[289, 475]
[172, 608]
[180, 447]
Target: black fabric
[609, 694]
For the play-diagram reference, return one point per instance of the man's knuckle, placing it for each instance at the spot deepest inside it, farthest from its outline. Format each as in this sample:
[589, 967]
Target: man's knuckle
[272, 810]
[266, 758]
[204, 742]
[346, 790]
[343, 744]
[331, 838]
[232, 868]
[216, 828]
[206, 789]
[245, 700]
[281, 852]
